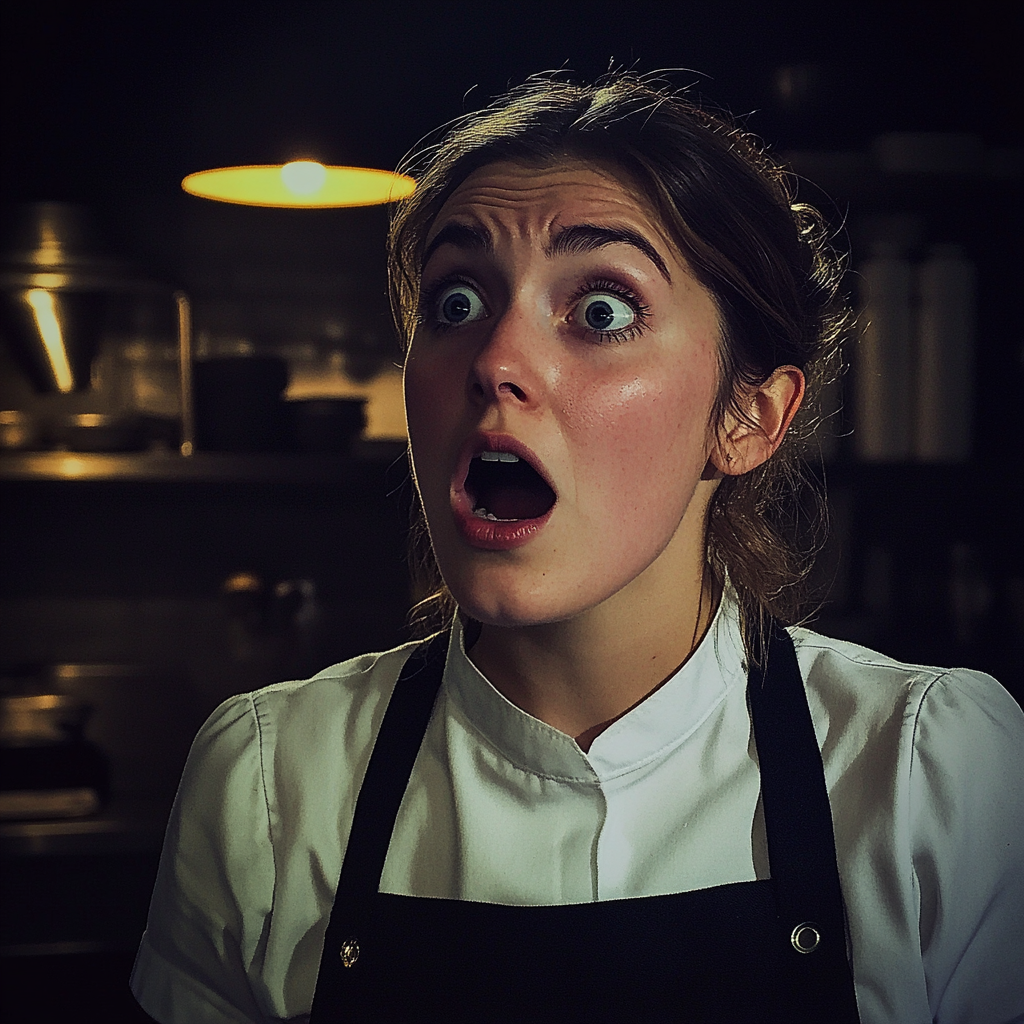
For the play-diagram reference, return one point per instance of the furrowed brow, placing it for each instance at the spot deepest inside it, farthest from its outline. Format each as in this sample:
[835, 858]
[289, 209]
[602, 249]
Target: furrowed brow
[578, 238]
[462, 236]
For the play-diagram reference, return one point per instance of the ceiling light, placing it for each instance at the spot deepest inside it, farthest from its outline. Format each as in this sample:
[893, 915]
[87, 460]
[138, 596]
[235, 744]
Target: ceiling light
[299, 184]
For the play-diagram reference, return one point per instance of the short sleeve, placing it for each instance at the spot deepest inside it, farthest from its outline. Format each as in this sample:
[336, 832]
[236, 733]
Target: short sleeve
[967, 805]
[200, 958]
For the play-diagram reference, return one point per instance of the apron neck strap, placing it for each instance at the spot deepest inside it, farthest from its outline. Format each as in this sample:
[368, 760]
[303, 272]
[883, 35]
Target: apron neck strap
[794, 795]
[387, 773]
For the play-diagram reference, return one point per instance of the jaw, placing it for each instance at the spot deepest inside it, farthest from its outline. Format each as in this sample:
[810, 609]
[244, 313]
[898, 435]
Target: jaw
[599, 578]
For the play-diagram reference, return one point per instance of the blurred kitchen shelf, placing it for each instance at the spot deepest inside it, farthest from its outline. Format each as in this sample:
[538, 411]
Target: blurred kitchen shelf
[203, 467]
[855, 176]
[128, 824]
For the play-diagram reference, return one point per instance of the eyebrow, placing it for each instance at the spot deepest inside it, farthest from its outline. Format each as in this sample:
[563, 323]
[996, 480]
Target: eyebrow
[462, 236]
[571, 240]
[578, 238]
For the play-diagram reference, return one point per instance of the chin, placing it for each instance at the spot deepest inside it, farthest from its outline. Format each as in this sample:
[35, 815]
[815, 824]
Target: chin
[507, 613]
[511, 607]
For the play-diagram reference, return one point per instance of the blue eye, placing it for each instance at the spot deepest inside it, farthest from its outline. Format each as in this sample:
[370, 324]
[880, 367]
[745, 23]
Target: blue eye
[459, 304]
[606, 313]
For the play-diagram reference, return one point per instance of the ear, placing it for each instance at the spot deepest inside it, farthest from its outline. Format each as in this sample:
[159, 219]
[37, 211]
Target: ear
[768, 410]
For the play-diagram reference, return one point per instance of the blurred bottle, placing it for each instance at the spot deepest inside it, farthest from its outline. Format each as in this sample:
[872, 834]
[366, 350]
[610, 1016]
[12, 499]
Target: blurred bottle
[947, 285]
[884, 405]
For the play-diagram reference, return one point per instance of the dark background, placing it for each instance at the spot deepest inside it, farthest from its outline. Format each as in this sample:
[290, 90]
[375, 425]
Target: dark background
[111, 105]
[101, 100]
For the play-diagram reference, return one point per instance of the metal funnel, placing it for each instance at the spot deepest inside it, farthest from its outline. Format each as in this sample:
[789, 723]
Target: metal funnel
[55, 276]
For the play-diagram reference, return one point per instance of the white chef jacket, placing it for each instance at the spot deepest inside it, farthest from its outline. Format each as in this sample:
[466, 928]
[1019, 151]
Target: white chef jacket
[924, 769]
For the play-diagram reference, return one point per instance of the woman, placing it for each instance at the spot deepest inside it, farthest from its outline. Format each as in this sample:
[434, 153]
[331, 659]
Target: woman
[613, 313]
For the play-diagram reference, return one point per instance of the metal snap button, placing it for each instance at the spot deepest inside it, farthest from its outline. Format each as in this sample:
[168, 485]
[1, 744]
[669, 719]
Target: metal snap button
[805, 937]
[349, 952]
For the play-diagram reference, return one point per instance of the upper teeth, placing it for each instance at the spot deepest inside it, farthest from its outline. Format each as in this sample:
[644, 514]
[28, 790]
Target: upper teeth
[498, 457]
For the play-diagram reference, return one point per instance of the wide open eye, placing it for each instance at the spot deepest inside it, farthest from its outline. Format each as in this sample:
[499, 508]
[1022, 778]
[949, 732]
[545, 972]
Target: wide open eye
[459, 304]
[604, 312]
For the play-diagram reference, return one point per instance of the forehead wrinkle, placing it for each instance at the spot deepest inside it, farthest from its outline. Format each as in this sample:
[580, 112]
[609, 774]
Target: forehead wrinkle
[498, 197]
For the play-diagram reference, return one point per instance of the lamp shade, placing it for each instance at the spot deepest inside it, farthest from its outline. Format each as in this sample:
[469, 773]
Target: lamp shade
[301, 184]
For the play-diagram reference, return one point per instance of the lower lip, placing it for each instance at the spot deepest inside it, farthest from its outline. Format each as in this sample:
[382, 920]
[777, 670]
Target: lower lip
[488, 535]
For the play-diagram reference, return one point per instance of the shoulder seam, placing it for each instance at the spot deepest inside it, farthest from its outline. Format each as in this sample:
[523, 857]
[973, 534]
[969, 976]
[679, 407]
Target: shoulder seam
[912, 769]
[266, 793]
[924, 671]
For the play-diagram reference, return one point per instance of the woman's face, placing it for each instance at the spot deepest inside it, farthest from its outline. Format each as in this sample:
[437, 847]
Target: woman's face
[558, 393]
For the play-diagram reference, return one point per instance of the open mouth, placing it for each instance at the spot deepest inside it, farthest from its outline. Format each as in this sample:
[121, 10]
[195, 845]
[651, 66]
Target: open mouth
[505, 488]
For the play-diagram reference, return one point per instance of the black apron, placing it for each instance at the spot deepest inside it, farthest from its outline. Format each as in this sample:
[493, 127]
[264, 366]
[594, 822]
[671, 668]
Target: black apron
[772, 950]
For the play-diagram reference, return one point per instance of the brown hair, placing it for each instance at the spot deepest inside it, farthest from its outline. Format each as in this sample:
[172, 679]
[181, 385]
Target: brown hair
[765, 259]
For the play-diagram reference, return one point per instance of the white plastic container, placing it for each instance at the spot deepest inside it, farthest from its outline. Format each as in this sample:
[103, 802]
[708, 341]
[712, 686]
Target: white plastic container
[884, 396]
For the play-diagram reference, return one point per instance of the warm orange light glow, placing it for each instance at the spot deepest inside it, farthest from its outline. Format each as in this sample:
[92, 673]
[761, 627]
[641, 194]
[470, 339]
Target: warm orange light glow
[301, 183]
[45, 313]
[72, 466]
[48, 280]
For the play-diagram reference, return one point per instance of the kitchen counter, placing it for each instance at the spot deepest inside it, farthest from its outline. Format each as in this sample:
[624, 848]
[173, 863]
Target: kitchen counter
[132, 824]
[203, 467]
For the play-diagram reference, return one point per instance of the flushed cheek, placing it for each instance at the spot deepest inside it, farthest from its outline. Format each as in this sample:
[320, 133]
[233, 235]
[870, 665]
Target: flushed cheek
[637, 437]
[433, 379]
[426, 378]
[430, 405]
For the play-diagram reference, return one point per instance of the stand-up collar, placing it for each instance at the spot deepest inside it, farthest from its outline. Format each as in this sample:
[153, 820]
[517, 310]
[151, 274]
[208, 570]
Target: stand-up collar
[651, 730]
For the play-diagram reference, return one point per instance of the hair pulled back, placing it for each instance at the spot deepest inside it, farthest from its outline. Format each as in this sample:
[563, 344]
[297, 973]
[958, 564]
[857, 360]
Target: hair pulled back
[765, 259]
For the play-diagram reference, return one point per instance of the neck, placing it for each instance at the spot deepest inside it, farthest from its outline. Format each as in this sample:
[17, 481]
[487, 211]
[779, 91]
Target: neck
[581, 674]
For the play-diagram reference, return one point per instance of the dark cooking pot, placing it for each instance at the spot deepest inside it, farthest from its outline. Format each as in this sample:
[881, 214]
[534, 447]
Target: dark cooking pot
[326, 424]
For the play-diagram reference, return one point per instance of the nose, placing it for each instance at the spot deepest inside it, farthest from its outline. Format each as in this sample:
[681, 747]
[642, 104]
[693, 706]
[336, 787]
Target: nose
[506, 368]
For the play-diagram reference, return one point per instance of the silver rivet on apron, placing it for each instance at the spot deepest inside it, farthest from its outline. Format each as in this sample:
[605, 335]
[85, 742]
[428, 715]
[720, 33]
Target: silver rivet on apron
[349, 952]
[805, 937]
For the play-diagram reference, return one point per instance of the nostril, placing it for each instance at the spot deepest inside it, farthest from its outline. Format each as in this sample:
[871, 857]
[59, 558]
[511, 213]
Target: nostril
[508, 387]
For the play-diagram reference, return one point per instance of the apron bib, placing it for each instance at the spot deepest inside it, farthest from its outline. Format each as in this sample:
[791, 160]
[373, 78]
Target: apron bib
[772, 950]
